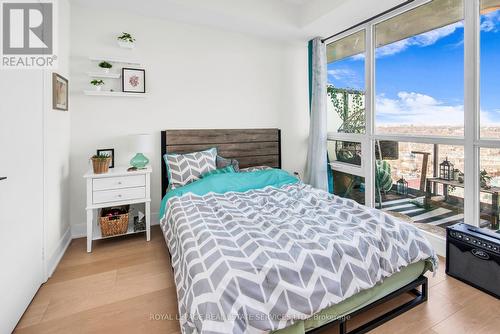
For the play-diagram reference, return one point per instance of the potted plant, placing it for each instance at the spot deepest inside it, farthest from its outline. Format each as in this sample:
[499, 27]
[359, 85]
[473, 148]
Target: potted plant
[97, 83]
[100, 163]
[456, 174]
[485, 179]
[125, 40]
[105, 66]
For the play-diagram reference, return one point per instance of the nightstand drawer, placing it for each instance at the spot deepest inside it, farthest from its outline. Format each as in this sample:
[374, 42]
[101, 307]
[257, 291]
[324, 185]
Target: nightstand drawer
[119, 182]
[117, 195]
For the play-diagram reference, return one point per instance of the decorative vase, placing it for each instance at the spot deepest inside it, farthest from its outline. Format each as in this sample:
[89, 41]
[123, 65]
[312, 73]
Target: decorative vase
[126, 44]
[100, 166]
[139, 161]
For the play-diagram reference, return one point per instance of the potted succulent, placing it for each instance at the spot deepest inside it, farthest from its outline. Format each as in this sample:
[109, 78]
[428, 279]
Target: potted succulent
[125, 40]
[105, 66]
[97, 83]
[100, 163]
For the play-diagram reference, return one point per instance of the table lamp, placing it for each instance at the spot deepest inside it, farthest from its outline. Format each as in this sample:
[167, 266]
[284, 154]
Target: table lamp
[140, 145]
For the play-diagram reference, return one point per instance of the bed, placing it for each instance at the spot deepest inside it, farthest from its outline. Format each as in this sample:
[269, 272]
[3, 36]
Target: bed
[261, 251]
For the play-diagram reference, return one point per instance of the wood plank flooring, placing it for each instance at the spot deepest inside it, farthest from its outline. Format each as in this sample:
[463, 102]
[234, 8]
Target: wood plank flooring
[126, 286]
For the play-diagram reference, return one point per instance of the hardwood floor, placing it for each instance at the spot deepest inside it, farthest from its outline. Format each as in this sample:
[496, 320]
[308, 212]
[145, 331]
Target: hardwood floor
[126, 286]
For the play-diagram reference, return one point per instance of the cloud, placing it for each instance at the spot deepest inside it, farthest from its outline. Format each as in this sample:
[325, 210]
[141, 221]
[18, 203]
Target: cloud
[491, 22]
[422, 40]
[417, 109]
[490, 117]
[345, 75]
[341, 74]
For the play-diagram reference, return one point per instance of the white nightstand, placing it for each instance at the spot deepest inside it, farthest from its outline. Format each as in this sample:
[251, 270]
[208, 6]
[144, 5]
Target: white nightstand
[117, 187]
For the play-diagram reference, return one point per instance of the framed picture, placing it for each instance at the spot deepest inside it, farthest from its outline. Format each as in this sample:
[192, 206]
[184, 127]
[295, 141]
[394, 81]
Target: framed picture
[110, 152]
[59, 92]
[133, 80]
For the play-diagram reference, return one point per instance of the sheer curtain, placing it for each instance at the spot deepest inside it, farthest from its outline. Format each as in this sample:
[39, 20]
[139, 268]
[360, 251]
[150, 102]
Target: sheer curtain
[316, 166]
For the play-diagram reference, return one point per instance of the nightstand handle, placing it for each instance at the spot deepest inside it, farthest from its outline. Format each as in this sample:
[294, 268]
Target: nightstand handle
[119, 182]
[119, 195]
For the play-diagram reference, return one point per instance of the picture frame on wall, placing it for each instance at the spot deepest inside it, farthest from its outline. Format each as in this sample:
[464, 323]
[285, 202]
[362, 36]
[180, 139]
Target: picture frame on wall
[133, 80]
[59, 92]
[110, 152]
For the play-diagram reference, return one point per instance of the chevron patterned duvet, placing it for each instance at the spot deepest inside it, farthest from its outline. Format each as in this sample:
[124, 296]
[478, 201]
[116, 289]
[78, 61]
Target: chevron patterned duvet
[256, 261]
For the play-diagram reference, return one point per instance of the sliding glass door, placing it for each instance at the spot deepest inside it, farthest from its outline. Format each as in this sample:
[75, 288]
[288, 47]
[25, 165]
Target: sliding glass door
[414, 121]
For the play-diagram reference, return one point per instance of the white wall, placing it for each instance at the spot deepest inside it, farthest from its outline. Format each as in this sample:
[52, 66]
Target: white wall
[196, 78]
[56, 154]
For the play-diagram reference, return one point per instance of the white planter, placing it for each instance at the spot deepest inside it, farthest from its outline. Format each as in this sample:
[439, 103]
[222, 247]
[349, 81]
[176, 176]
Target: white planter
[126, 45]
[106, 70]
[98, 88]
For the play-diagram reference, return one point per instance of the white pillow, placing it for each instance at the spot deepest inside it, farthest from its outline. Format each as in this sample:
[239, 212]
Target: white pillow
[183, 169]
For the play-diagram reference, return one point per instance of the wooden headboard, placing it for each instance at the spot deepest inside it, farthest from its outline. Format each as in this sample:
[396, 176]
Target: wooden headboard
[251, 147]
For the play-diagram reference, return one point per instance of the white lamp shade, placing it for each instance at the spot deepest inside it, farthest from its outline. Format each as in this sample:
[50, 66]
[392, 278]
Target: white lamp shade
[142, 143]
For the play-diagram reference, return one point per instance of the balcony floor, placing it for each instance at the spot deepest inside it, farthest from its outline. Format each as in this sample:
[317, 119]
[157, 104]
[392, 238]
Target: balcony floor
[434, 219]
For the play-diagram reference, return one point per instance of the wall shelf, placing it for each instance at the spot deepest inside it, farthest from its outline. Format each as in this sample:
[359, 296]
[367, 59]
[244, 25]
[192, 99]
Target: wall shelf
[104, 75]
[115, 60]
[113, 94]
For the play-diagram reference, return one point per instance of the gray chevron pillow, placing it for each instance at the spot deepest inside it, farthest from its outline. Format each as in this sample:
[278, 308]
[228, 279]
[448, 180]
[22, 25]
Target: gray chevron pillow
[183, 169]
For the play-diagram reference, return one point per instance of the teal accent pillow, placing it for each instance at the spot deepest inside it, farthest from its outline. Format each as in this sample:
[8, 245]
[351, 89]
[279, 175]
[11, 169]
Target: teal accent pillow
[225, 170]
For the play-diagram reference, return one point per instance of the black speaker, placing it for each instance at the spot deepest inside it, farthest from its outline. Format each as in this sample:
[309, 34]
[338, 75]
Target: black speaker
[473, 256]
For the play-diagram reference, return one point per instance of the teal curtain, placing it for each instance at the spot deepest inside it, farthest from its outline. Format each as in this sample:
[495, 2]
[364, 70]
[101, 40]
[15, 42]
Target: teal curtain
[329, 170]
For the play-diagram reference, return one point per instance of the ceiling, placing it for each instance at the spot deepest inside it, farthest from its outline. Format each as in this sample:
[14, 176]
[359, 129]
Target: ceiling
[293, 20]
[273, 18]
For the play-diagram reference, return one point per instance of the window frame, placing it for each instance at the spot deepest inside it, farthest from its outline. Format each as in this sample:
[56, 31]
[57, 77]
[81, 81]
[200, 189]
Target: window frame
[471, 140]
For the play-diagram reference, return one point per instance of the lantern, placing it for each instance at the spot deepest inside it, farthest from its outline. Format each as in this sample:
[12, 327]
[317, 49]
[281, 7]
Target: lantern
[446, 170]
[402, 186]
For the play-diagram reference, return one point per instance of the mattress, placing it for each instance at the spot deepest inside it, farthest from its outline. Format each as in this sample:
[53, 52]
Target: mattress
[261, 252]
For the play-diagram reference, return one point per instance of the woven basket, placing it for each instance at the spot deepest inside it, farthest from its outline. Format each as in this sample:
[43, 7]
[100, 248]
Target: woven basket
[100, 166]
[114, 225]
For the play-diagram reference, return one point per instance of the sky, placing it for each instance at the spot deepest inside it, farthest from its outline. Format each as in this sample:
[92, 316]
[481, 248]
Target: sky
[419, 80]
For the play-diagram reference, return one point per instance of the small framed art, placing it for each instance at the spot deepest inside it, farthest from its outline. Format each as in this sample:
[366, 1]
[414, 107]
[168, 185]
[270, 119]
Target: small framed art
[109, 152]
[133, 80]
[59, 92]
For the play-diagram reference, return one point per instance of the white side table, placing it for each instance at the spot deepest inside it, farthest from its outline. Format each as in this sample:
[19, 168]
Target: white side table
[117, 187]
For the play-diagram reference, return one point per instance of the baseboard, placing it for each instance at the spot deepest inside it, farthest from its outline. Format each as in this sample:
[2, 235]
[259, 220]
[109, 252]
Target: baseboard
[438, 242]
[54, 259]
[80, 230]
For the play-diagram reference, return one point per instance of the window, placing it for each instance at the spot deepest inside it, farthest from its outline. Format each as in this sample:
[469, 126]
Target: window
[346, 113]
[490, 68]
[489, 152]
[489, 188]
[398, 135]
[409, 182]
[346, 84]
[419, 62]
[347, 152]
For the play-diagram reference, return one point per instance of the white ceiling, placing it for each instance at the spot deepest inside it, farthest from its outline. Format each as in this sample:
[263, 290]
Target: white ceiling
[280, 19]
[273, 18]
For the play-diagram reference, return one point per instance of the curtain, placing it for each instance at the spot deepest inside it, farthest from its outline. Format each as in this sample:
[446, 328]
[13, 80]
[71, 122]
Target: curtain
[316, 166]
